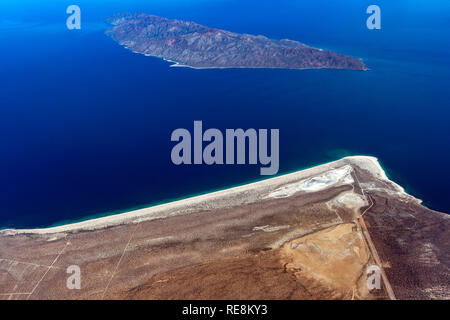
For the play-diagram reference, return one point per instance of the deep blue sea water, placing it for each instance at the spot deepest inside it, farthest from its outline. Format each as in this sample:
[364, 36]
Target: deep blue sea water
[85, 124]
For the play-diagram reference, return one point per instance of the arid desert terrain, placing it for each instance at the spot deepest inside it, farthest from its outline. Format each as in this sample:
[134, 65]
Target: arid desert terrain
[311, 234]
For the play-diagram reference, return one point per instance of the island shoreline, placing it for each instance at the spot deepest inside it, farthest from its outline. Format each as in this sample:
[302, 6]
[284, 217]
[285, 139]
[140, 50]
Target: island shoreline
[183, 43]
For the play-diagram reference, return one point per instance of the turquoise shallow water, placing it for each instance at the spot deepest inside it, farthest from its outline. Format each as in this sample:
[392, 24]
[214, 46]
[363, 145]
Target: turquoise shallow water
[85, 124]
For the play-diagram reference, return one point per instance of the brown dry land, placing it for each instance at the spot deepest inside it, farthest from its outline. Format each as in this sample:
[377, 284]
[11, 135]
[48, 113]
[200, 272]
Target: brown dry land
[308, 245]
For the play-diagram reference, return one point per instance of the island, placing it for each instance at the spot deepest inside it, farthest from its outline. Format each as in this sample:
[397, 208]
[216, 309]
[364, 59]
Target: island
[311, 234]
[193, 45]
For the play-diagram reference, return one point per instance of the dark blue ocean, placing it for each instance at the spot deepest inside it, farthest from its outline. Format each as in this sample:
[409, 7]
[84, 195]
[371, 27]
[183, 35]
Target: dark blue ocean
[85, 124]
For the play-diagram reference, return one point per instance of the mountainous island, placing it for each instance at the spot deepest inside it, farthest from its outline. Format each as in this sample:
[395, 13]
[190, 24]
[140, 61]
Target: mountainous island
[311, 234]
[192, 45]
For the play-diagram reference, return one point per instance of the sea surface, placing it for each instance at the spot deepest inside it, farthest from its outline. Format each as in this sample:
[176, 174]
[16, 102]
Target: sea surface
[85, 124]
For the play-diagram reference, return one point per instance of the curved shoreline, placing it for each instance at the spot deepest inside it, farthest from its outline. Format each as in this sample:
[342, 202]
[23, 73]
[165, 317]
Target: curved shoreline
[216, 199]
[176, 64]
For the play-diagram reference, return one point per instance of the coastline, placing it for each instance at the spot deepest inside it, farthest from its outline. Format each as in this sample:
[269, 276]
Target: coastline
[221, 198]
[176, 64]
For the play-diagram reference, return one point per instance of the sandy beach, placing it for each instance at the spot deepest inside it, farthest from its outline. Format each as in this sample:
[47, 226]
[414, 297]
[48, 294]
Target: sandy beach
[219, 199]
